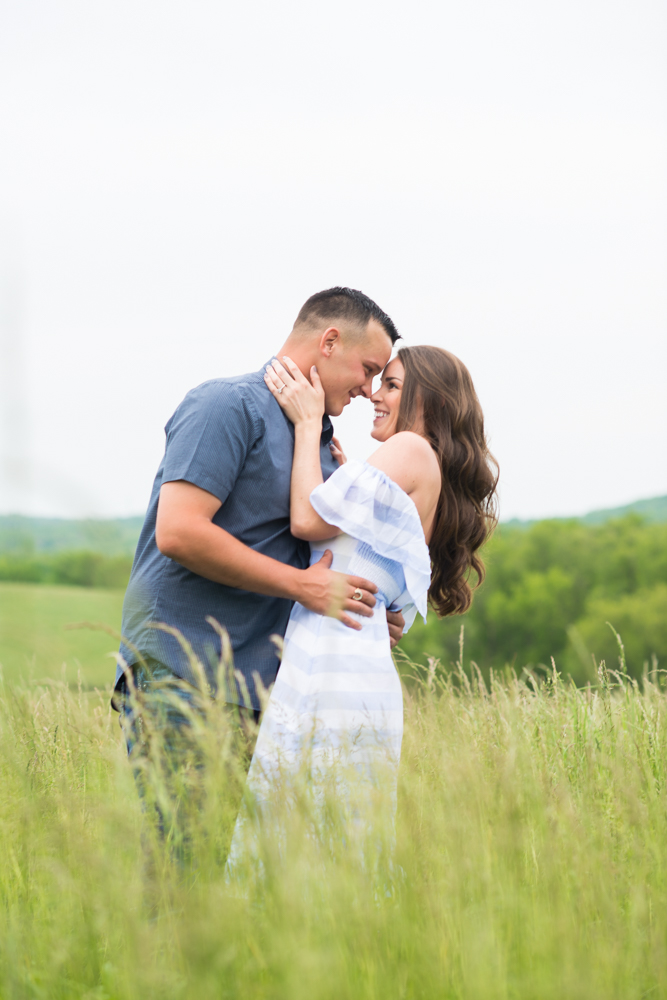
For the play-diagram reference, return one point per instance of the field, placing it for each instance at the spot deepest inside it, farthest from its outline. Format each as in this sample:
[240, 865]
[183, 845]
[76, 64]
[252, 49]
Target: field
[529, 861]
[551, 586]
[34, 640]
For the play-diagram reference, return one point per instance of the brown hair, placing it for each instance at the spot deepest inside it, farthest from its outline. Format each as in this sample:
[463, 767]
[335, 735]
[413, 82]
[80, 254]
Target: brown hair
[438, 387]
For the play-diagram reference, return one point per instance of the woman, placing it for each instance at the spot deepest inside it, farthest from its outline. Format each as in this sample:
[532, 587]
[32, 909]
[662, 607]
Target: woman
[412, 519]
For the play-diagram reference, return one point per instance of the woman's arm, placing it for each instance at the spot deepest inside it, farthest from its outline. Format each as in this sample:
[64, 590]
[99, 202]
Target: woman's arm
[303, 403]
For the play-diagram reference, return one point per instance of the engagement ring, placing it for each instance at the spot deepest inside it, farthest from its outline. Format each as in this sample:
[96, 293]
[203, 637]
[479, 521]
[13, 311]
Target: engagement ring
[281, 389]
[357, 595]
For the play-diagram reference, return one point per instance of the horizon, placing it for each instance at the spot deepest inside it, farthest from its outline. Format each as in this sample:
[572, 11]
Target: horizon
[140, 516]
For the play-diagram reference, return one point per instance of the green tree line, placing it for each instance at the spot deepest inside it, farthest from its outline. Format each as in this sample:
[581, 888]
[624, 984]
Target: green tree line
[80, 568]
[549, 591]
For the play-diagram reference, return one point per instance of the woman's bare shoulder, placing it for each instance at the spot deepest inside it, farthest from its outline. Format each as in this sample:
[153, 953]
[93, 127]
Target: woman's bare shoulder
[408, 459]
[406, 443]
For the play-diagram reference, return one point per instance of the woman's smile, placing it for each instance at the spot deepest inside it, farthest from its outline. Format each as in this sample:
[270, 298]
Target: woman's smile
[387, 401]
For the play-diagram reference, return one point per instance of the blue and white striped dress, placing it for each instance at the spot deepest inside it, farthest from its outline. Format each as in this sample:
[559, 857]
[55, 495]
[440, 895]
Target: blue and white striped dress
[337, 698]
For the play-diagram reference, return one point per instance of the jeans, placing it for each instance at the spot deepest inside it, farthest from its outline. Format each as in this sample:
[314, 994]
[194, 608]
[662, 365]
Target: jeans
[158, 692]
[165, 749]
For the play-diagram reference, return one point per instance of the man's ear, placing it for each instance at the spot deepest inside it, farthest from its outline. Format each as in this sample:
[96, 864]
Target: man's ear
[329, 340]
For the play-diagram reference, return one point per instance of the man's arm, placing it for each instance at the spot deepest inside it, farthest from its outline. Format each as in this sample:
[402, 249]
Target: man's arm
[185, 533]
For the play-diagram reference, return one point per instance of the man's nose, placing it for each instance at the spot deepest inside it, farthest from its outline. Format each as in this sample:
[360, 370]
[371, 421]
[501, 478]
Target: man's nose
[366, 389]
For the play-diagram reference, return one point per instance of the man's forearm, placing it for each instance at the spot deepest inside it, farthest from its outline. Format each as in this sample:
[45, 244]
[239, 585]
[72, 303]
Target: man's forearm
[184, 532]
[212, 552]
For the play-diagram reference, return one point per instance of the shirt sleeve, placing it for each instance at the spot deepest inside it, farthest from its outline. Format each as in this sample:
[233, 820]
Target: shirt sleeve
[209, 438]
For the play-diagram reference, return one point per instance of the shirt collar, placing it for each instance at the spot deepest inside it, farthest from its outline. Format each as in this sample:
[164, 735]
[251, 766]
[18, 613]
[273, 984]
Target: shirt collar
[327, 429]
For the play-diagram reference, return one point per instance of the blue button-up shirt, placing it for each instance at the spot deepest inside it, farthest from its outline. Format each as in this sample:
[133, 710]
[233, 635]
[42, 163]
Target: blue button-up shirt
[230, 438]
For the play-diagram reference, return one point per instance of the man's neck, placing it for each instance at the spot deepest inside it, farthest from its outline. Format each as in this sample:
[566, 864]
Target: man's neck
[302, 354]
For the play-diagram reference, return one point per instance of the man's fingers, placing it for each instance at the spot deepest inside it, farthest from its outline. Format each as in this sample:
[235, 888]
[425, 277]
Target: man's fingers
[366, 599]
[326, 559]
[359, 607]
[358, 581]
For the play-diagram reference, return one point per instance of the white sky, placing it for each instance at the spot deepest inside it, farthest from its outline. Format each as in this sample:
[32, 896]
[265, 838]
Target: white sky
[177, 177]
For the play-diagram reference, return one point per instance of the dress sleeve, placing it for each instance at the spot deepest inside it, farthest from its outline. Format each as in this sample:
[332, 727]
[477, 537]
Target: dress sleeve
[209, 438]
[409, 612]
[365, 503]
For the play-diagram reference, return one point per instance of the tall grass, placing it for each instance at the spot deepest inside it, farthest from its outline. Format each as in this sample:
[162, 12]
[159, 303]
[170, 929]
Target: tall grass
[530, 858]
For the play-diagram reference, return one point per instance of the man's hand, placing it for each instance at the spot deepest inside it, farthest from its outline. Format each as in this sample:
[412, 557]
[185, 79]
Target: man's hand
[396, 623]
[185, 533]
[329, 593]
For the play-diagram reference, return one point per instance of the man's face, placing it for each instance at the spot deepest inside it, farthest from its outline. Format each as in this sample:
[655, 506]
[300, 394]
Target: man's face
[348, 364]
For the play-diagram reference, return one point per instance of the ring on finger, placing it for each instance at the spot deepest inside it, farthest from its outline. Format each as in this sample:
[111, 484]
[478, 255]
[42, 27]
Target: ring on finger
[357, 595]
[280, 389]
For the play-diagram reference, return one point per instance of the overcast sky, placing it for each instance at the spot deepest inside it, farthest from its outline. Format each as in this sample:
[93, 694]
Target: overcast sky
[177, 177]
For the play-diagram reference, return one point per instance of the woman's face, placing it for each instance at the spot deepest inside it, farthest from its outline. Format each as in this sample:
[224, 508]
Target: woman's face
[387, 401]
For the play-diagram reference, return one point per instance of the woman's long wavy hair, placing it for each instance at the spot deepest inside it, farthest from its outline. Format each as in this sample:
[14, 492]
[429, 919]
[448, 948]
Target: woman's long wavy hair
[438, 387]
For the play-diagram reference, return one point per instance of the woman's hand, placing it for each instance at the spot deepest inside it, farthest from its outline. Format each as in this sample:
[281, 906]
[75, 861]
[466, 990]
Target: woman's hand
[301, 400]
[337, 451]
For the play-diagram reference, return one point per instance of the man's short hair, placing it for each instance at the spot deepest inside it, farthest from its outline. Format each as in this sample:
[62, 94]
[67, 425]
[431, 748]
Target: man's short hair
[345, 304]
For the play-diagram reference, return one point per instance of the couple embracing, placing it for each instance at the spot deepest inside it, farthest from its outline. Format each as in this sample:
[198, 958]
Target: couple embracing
[257, 520]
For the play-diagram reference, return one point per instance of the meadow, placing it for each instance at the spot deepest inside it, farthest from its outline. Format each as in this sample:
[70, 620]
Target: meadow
[551, 587]
[529, 858]
[35, 642]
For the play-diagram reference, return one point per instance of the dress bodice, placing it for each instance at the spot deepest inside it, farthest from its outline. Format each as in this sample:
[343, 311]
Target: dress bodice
[360, 559]
[382, 538]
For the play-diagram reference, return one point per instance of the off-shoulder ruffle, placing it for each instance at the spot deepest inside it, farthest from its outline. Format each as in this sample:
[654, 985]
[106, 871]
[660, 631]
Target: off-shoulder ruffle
[365, 503]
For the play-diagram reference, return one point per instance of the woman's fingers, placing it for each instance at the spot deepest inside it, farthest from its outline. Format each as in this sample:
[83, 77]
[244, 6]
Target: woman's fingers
[280, 371]
[293, 369]
[315, 380]
[274, 384]
[337, 451]
[288, 372]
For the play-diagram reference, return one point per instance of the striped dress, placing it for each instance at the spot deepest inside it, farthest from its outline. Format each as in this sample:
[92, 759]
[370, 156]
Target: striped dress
[337, 701]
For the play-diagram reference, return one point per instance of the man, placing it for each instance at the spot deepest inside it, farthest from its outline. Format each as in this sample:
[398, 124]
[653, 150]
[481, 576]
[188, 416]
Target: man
[216, 540]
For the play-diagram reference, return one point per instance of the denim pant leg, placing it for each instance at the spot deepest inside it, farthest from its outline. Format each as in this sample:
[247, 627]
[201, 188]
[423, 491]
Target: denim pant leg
[161, 744]
[156, 707]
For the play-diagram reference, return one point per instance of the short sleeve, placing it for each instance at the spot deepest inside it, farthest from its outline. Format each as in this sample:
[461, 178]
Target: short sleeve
[210, 436]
